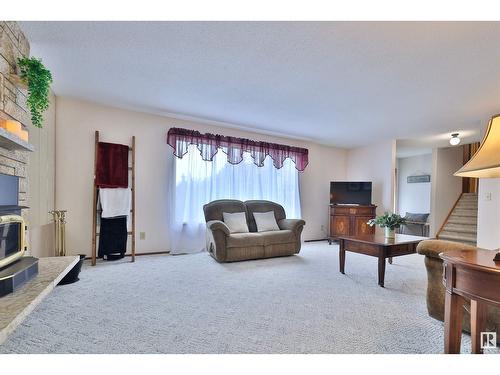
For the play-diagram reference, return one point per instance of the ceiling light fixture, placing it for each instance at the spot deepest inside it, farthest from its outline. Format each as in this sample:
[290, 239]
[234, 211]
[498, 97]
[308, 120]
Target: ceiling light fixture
[454, 140]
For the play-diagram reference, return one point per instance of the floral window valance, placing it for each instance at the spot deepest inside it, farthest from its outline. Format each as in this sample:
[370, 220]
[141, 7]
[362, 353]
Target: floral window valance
[208, 145]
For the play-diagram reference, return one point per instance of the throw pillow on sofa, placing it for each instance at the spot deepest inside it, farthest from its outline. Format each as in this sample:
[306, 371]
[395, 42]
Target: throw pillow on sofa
[236, 222]
[265, 221]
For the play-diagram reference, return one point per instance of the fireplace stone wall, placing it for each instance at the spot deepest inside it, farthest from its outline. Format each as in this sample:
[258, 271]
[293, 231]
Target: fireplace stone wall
[13, 44]
[36, 170]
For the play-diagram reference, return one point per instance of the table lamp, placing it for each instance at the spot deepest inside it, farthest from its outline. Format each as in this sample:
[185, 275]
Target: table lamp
[486, 161]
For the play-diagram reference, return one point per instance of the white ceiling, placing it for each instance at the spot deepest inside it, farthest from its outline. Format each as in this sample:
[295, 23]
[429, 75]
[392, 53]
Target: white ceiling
[338, 83]
[425, 144]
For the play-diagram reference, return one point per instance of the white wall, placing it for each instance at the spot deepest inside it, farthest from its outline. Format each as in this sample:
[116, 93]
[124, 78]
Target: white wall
[445, 188]
[488, 213]
[414, 197]
[76, 123]
[376, 163]
[41, 172]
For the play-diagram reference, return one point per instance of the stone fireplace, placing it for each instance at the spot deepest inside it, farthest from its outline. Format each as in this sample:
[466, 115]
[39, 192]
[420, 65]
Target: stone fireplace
[14, 153]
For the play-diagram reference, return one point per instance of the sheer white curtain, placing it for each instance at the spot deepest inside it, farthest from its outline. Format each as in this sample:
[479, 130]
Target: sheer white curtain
[196, 182]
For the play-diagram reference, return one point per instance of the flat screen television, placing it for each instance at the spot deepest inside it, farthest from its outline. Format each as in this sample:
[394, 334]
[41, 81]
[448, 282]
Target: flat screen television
[351, 192]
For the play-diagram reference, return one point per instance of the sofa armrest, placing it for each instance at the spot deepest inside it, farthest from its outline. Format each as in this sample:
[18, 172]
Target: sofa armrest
[291, 224]
[214, 225]
[432, 248]
[217, 233]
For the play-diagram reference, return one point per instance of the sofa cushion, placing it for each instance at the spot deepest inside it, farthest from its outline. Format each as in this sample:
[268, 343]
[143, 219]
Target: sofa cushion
[260, 239]
[277, 237]
[265, 221]
[214, 209]
[236, 222]
[263, 206]
[245, 240]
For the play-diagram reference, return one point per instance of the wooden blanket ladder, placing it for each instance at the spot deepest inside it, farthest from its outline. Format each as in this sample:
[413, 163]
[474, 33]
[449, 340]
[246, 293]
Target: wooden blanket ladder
[96, 211]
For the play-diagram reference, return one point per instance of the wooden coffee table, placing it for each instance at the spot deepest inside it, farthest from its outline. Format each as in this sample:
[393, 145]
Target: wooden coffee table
[378, 246]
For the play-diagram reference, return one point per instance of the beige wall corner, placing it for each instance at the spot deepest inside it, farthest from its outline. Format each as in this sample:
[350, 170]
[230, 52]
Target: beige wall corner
[376, 163]
[488, 213]
[445, 188]
[41, 171]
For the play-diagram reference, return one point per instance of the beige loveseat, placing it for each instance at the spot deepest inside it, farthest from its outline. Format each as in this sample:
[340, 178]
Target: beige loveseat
[435, 288]
[227, 247]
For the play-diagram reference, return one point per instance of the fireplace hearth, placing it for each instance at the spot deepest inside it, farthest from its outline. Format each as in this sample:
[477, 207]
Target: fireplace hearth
[15, 268]
[16, 274]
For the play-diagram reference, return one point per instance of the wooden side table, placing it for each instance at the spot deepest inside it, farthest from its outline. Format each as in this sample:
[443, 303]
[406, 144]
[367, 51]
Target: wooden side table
[468, 274]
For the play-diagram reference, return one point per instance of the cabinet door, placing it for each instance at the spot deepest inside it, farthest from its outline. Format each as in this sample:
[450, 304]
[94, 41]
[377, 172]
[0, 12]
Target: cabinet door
[339, 225]
[361, 226]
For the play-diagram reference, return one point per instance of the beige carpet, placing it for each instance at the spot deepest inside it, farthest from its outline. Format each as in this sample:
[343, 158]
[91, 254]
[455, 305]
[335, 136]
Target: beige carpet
[191, 304]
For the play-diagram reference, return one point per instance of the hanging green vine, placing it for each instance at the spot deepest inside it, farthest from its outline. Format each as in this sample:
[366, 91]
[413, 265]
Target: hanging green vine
[38, 79]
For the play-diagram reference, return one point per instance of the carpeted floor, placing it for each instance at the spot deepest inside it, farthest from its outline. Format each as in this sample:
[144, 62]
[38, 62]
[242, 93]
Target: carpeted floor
[191, 304]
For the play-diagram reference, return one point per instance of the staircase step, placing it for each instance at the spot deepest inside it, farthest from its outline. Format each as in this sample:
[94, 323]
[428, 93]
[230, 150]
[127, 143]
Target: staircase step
[471, 202]
[470, 208]
[461, 228]
[468, 201]
[457, 236]
[465, 212]
[466, 204]
[462, 220]
[462, 223]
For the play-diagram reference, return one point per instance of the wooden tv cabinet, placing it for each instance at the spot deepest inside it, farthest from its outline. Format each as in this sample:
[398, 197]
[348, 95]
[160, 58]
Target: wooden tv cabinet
[350, 220]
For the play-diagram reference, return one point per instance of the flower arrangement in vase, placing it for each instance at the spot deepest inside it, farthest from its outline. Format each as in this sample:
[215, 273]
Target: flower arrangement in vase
[389, 222]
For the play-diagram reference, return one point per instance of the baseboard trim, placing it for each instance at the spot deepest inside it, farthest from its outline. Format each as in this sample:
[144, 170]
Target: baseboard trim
[317, 240]
[140, 254]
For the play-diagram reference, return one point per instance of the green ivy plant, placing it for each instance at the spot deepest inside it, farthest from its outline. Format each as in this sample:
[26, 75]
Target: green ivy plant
[391, 221]
[38, 79]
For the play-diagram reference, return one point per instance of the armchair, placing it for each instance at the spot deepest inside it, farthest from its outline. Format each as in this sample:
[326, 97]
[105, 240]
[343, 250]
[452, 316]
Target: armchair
[436, 290]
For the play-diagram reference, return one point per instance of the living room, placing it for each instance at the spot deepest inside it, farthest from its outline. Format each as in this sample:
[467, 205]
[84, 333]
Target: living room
[249, 187]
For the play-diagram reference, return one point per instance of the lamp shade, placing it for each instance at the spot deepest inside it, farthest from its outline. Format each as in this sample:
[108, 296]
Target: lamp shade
[486, 161]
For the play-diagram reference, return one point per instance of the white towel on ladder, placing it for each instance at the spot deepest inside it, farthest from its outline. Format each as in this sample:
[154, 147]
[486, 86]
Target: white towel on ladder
[115, 202]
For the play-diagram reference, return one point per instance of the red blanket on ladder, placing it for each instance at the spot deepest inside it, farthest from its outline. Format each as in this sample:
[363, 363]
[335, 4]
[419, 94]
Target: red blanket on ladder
[112, 165]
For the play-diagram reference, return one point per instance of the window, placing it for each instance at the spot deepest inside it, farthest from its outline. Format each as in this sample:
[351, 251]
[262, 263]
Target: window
[211, 166]
[198, 182]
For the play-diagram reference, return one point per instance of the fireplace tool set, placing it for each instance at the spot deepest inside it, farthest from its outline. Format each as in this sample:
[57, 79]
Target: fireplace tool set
[59, 217]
